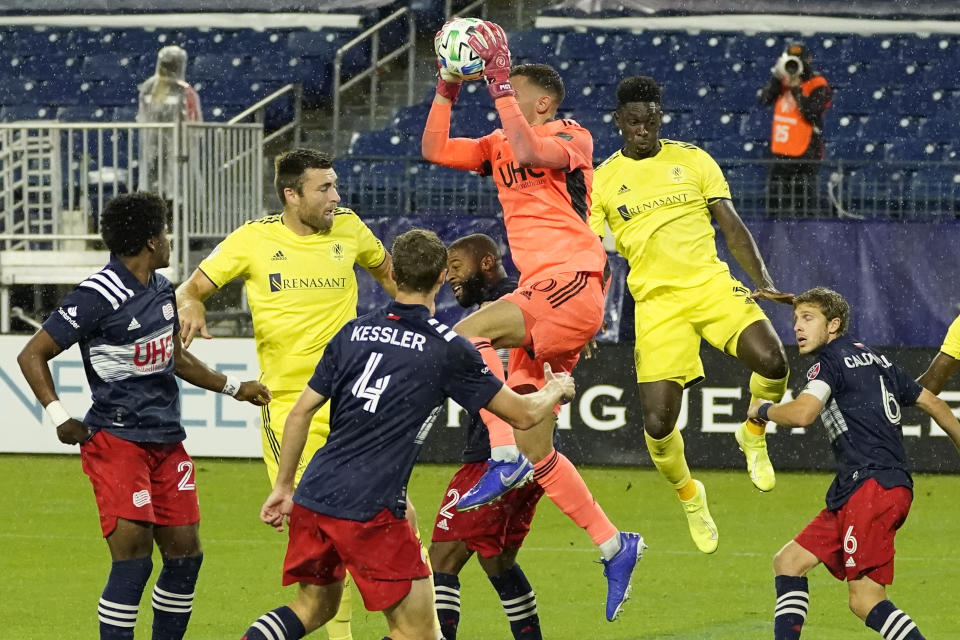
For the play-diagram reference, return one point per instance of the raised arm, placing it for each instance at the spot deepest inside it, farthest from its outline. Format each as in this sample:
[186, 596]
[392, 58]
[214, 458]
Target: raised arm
[744, 250]
[525, 411]
[193, 314]
[381, 273]
[942, 415]
[439, 148]
[34, 364]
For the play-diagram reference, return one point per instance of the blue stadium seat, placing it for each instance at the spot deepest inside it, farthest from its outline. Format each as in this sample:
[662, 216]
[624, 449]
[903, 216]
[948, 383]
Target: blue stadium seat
[323, 44]
[912, 150]
[943, 126]
[107, 93]
[472, 93]
[592, 45]
[125, 114]
[85, 113]
[471, 122]
[411, 120]
[206, 40]
[40, 41]
[757, 125]
[840, 126]
[384, 143]
[708, 45]
[598, 97]
[116, 68]
[930, 49]
[62, 91]
[535, 45]
[145, 42]
[258, 43]
[10, 113]
[606, 144]
[864, 101]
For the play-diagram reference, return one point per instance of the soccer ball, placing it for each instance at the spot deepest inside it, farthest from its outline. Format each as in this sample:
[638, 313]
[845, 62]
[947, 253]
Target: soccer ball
[455, 55]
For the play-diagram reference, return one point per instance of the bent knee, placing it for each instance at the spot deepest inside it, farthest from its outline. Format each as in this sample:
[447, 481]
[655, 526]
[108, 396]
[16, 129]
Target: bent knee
[773, 364]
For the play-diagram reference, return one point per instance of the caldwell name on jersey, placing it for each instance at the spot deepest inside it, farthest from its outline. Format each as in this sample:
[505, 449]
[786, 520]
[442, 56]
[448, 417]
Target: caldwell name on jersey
[301, 289]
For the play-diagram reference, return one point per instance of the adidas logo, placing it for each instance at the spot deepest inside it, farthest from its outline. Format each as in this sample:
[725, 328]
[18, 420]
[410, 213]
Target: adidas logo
[279, 256]
[850, 562]
[443, 525]
[623, 189]
[133, 325]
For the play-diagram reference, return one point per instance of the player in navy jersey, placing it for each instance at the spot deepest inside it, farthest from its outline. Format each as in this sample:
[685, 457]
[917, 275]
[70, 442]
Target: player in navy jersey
[858, 394]
[125, 321]
[387, 375]
[494, 531]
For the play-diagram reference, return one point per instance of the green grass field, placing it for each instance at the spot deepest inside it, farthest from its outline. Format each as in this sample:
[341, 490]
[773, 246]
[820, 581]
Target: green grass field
[53, 564]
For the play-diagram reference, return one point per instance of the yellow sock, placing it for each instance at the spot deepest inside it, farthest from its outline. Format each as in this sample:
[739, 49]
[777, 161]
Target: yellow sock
[339, 627]
[667, 455]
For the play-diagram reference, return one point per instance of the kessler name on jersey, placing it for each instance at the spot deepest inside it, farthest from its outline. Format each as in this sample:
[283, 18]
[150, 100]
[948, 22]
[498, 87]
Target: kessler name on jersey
[388, 335]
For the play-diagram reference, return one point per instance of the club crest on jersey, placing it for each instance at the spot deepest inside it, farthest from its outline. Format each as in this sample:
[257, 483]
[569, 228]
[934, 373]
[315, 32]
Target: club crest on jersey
[168, 311]
[813, 371]
[336, 251]
[676, 173]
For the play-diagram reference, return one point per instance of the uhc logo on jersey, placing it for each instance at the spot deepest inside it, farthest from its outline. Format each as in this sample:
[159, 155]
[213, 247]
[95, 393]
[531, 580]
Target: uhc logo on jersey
[813, 371]
[147, 355]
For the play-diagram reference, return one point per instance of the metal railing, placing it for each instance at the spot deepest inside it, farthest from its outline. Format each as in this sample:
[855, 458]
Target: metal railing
[258, 111]
[376, 62]
[383, 186]
[467, 10]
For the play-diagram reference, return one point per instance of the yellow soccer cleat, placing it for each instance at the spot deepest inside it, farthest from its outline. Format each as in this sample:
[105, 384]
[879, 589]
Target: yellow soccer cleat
[703, 529]
[759, 466]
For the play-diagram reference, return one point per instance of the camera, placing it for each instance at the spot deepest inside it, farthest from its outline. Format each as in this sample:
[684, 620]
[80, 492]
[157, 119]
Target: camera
[788, 66]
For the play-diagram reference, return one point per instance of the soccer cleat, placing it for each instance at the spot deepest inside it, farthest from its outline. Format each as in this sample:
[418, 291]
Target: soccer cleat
[618, 571]
[759, 466]
[703, 529]
[499, 478]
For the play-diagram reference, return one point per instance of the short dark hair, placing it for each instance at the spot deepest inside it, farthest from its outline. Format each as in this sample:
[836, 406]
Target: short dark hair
[638, 89]
[832, 304]
[419, 258]
[544, 76]
[130, 219]
[289, 167]
[477, 244]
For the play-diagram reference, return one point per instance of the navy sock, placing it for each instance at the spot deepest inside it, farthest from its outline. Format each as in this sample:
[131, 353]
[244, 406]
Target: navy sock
[519, 603]
[173, 597]
[793, 601]
[447, 588]
[280, 624]
[120, 599]
[891, 623]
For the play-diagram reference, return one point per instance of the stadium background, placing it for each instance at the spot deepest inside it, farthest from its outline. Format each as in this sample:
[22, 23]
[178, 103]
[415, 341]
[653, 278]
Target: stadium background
[885, 236]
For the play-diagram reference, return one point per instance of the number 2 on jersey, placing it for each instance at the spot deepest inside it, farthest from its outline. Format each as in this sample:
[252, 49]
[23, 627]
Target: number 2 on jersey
[364, 390]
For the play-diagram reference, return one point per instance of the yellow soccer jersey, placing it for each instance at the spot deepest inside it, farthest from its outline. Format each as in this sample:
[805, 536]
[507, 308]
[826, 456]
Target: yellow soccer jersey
[657, 210]
[301, 289]
[951, 343]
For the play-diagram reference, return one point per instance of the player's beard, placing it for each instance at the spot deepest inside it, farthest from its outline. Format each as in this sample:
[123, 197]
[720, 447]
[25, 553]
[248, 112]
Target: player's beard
[471, 291]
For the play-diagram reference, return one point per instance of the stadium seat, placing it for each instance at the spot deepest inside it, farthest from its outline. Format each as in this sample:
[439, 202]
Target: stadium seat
[207, 40]
[219, 66]
[116, 68]
[107, 93]
[125, 114]
[11, 113]
[85, 113]
[592, 45]
[535, 45]
[383, 143]
[471, 122]
[925, 50]
[323, 44]
[411, 120]
[63, 91]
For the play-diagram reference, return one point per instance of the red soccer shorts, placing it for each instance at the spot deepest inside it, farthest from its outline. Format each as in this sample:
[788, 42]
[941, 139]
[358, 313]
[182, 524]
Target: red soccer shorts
[140, 481]
[493, 527]
[857, 539]
[561, 314]
[383, 555]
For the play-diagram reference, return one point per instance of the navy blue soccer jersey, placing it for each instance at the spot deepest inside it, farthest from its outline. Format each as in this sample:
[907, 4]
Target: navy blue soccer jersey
[387, 375]
[125, 331]
[477, 446]
[862, 392]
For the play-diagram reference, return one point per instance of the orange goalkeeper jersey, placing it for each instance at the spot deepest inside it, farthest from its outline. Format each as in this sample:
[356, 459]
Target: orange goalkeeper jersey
[545, 211]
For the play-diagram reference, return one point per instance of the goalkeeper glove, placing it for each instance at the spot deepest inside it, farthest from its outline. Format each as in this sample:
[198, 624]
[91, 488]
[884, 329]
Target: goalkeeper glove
[490, 43]
[448, 85]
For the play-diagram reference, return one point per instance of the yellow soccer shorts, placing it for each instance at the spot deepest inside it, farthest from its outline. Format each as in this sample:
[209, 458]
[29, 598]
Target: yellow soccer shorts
[951, 343]
[670, 322]
[272, 418]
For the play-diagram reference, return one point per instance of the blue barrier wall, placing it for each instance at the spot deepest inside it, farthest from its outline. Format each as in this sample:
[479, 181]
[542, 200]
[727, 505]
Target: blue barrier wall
[900, 278]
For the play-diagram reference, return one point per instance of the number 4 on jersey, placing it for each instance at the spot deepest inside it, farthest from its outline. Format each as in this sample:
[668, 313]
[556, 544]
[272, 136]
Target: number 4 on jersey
[370, 392]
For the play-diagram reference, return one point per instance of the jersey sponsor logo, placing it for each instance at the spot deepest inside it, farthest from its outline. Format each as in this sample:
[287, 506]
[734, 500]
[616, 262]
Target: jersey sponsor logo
[644, 207]
[141, 498]
[513, 174]
[813, 371]
[336, 252]
[147, 355]
[133, 324]
[66, 316]
[72, 311]
[168, 311]
[279, 256]
[279, 283]
[866, 360]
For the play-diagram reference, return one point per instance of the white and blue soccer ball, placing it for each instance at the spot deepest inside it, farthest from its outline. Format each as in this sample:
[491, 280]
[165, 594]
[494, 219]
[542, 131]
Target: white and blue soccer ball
[456, 56]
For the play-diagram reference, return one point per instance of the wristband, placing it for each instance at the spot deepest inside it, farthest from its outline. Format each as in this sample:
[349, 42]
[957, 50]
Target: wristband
[57, 414]
[231, 387]
[762, 411]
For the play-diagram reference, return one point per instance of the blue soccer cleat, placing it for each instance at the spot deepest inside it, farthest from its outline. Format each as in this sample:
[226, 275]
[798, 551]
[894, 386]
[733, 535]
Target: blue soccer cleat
[619, 569]
[499, 478]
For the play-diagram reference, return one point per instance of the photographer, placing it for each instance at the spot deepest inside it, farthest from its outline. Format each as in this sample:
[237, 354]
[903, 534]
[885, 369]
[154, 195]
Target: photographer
[799, 96]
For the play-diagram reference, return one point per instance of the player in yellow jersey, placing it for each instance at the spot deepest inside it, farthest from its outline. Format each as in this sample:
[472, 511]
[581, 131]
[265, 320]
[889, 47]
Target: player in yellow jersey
[945, 363]
[658, 197]
[297, 269]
